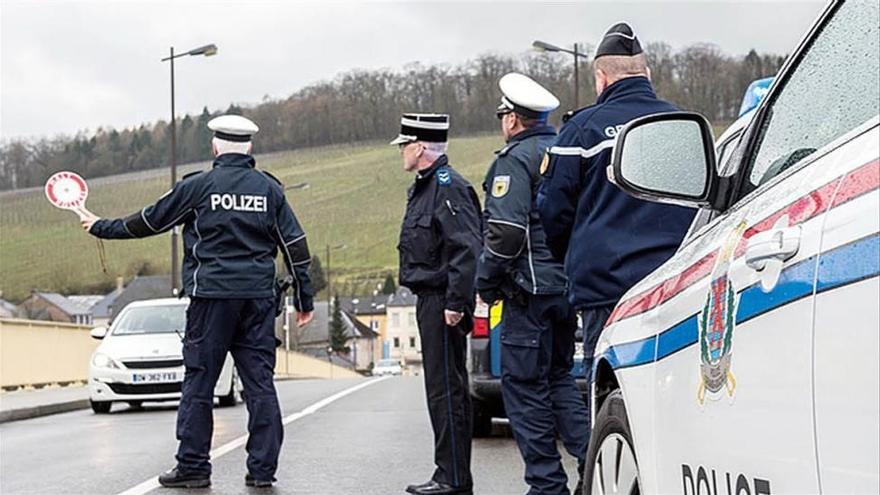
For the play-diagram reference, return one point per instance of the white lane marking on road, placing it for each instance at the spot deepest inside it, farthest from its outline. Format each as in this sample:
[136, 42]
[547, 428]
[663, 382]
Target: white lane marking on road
[153, 483]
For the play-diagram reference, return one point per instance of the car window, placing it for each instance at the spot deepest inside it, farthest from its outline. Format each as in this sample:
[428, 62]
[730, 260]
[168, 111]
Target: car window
[834, 88]
[151, 319]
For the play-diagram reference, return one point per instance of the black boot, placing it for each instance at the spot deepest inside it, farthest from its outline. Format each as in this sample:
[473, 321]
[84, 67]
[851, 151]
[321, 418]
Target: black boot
[176, 479]
[434, 488]
[251, 481]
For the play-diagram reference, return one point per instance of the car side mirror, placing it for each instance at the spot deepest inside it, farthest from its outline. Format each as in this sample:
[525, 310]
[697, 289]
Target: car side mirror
[98, 333]
[667, 158]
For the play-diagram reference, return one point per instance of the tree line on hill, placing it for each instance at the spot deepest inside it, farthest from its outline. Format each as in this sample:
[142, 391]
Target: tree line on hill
[362, 105]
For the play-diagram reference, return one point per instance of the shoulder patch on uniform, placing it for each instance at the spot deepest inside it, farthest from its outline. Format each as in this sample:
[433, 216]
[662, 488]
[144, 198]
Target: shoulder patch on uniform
[500, 185]
[545, 163]
[275, 179]
[444, 176]
[191, 174]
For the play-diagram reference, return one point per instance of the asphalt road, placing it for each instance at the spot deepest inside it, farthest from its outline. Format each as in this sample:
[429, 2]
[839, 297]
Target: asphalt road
[373, 440]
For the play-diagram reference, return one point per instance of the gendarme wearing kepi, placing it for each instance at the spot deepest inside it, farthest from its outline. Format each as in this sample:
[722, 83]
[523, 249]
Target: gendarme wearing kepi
[439, 245]
[428, 127]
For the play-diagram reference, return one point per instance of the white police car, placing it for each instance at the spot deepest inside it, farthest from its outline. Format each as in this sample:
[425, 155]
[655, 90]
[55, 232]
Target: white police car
[749, 363]
[140, 357]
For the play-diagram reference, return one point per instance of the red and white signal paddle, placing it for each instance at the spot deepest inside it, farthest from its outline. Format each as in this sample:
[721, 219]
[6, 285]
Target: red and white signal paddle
[68, 191]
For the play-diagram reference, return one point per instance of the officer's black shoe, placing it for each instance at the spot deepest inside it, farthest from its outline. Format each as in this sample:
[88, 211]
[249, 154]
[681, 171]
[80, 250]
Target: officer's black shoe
[434, 488]
[413, 488]
[251, 481]
[176, 479]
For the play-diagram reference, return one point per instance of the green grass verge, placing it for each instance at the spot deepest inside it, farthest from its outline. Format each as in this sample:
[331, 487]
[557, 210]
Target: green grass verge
[356, 196]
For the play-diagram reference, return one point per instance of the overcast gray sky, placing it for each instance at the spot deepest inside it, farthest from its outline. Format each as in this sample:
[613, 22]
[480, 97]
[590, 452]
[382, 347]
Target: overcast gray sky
[75, 65]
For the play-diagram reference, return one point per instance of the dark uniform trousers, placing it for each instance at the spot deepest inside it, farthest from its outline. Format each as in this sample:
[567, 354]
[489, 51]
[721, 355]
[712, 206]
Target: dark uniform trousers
[540, 395]
[446, 385]
[246, 328]
[593, 320]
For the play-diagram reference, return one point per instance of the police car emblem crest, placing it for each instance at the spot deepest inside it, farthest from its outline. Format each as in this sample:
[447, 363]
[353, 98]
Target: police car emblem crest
[500, 186]
[716, 323]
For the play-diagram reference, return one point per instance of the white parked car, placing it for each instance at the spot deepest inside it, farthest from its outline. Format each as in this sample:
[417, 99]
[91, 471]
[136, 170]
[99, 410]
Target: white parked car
[749, 363]
[140, 358]
[387, 367]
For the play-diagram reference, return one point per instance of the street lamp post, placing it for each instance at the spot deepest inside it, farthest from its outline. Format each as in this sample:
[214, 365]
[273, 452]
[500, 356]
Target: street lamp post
[542, 46]
[207, 50]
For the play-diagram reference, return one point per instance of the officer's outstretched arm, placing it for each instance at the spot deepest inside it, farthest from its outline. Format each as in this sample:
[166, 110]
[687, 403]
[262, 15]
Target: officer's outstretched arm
[560, 188]
[173, 208]
[459, 217]
[295, 250]
[508, 203]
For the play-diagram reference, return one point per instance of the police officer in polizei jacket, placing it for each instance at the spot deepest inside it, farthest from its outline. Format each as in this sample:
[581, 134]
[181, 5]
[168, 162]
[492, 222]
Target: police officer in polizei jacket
[537, 323]
[235, 220]
[608, 239]
[439, 245]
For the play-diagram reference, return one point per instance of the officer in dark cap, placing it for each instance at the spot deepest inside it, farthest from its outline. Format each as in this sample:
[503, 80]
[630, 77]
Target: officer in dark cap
[537, 323]
[608, 239]
[439, 245]
[235, 220]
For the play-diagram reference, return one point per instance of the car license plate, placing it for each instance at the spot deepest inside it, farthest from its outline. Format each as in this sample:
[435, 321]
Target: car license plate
[159, 377]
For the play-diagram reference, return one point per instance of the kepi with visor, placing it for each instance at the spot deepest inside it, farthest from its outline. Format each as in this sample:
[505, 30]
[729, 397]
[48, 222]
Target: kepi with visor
[428, 127]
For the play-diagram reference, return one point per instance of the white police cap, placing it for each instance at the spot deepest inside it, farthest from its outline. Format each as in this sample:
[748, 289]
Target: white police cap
[526, 97]
[233, 128]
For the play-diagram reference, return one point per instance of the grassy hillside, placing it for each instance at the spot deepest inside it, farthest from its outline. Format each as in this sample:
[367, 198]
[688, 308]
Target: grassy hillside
[356, 196]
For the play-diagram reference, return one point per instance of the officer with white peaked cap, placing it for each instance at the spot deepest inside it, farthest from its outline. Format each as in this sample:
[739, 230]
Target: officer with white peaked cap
[236, 219]
[233, 128]
[522, 95]
[538, 332]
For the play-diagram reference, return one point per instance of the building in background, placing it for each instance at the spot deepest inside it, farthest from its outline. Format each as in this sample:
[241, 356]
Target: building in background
[314, 339]
[366, 348]
[402, 340]
[140, 288]
[9, 310]
[51, 306]
[371, 311]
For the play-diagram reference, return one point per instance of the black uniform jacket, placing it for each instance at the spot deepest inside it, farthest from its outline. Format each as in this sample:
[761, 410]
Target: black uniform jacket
[235, 219]
[441, 235]
[515, 256]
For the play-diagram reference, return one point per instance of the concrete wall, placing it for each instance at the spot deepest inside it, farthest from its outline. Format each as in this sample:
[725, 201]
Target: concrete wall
[40, 352]
[295, 365]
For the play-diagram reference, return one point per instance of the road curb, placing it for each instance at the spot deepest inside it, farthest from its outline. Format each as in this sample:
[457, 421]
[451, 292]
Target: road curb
[42, 410]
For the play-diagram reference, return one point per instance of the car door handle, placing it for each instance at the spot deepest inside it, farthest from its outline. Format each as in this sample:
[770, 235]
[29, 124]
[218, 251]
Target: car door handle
[778, 244]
